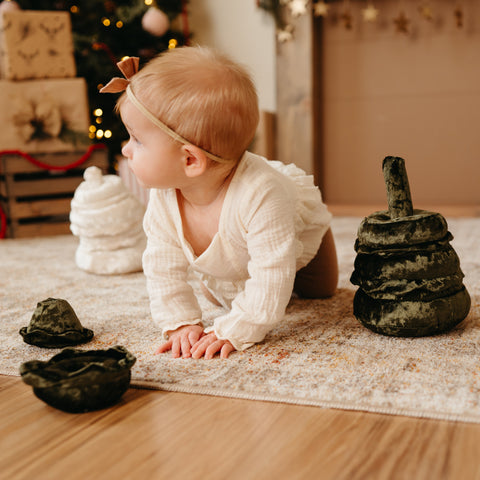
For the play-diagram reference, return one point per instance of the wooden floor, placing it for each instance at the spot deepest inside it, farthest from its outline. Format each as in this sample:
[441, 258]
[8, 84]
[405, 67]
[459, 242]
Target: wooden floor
[160, 435]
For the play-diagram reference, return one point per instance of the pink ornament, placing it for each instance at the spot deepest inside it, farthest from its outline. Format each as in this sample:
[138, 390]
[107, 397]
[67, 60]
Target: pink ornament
[156, 22]
[8, 6]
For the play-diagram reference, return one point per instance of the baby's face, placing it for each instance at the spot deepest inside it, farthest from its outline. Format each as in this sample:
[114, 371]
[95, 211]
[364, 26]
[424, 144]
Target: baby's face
[154, 158]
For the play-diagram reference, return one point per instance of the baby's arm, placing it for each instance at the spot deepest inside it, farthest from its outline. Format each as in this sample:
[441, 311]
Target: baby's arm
[173, 303]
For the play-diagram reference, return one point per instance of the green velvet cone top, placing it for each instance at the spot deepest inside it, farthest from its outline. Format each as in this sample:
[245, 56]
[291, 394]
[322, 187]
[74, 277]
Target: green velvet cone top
[54, 324]
[79, 381]
[409, 276]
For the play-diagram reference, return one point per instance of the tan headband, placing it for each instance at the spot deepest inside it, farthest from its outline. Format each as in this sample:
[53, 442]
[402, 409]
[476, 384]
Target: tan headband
[129, 67]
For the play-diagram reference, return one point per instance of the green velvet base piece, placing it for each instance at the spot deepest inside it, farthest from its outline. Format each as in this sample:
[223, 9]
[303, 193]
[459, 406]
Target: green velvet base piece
[78, 381]
[411, 318]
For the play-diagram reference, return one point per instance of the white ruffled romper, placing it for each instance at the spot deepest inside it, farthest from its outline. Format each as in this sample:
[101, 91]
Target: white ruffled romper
[271, 225]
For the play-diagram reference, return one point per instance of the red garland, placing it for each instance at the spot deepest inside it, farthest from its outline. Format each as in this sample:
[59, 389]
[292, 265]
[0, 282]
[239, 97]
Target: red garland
[45, 166]
[103, 46]
[3, 223]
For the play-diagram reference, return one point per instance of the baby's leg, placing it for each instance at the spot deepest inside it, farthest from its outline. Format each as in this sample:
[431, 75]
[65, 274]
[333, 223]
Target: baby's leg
[319, 278]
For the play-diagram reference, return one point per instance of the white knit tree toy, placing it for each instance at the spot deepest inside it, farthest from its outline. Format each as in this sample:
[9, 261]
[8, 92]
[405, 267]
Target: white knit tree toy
[107, 218]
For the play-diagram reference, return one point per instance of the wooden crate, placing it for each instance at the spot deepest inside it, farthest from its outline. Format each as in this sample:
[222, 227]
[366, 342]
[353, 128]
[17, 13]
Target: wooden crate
[36, 201]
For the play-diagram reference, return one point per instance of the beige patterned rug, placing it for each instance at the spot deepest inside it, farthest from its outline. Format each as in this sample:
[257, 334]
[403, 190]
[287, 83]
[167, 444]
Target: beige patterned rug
[320, 355]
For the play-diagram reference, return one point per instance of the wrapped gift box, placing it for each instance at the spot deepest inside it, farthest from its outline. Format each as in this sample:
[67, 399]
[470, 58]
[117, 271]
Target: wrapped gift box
[44, 115]
[36, 201]
[36, 44]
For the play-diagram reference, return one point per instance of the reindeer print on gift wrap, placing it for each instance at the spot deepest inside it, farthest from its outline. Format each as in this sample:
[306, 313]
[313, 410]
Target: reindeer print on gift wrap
[52, 30]
[25, 29]
[36, 45]
[28, 57]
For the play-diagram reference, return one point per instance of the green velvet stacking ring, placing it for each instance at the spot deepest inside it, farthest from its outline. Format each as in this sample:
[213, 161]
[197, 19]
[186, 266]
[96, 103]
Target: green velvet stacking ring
[79, 381]
[54, 324]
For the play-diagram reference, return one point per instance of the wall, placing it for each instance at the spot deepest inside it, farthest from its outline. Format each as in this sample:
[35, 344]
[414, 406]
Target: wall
[243, 31]
[415, 96]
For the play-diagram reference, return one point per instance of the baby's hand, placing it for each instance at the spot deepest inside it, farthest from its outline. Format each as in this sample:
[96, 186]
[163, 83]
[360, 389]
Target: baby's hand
[181, 340]
[209, 345]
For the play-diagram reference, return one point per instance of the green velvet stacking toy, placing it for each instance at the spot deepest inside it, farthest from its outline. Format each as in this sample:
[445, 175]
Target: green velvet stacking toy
[409, 276]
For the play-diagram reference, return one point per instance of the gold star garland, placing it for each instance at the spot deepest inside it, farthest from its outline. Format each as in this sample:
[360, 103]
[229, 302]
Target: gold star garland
[458, 14]
[401, 23]
[287, 11]
[370, 13]
[346, 15]
[426, 11]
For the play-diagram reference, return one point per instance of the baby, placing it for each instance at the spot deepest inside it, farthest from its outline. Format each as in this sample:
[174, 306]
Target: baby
[253, 231]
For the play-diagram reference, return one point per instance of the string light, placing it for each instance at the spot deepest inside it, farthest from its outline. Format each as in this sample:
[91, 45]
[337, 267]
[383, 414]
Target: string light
[101, 128]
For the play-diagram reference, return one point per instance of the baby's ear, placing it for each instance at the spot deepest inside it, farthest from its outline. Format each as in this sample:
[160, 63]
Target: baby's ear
[196, 162]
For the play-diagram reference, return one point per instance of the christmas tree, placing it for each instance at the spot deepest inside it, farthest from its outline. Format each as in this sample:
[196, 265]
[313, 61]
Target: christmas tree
[105, 31]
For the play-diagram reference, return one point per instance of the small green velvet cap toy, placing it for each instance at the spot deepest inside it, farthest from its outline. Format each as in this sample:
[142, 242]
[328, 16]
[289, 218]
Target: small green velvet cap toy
[54, 324]
[409, 276]
[78, 381]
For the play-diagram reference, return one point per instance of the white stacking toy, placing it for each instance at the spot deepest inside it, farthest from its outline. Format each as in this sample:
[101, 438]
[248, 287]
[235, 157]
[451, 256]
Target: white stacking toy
[108, 219]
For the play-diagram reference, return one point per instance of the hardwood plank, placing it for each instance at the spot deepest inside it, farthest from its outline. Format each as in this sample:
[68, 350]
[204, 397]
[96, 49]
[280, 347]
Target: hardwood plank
[40, 229]
[46, 186]
[39, 208]
[154, 434]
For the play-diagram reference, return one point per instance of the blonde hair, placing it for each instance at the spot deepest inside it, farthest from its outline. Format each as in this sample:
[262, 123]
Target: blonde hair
[201, 95]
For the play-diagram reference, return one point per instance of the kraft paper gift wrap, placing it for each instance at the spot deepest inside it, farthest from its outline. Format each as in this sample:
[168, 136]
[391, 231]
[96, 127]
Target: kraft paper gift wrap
[36, 44]
[44, 116]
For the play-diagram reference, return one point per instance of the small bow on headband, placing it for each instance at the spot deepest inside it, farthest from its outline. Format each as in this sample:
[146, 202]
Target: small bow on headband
[128, 67]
